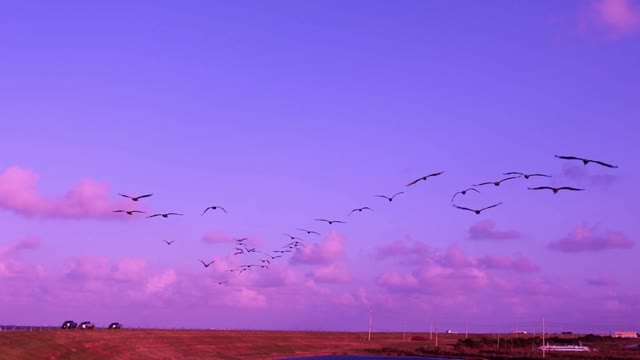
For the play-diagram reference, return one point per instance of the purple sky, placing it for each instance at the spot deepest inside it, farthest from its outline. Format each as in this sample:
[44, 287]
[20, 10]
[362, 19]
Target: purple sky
[287, 111]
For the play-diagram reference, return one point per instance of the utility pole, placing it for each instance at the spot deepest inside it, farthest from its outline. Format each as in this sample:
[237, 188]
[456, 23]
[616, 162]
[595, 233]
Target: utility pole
[404, 328]
[431, 331]
[543, 348]
[369, 323]
[436, 333]
[466, 329]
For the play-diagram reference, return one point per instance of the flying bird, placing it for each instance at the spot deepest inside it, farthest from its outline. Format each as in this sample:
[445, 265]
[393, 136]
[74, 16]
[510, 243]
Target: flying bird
[496, 183]
[309, 232]
[293, 237]
[555, 190]
[464, 192]
[135, 198]
[390, 198]
[239, 241]
[205, 264]
[332, 221]
[586, 161]
[165, 215]
[129, 212]
[526, 176]
[425, 178]
[360, 210]
[477, 211]
[169, 242]
[221, 282]
[214, 208]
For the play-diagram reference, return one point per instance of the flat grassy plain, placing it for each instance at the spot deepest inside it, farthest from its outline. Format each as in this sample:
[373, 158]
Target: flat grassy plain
[264, 345]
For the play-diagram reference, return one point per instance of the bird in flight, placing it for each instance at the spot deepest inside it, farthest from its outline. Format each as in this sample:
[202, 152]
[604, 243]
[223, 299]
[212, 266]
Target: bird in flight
[239, 241]
[164, 215]
[169, 242]
[293, 237]
[214, 208]
[309, 232]
[205, 264]
[390, 198]
[332, 221]
[496, 183]
[555, 190]
[129, 212]
[135, 198]
[477, 211]
[360, 210]
[221, 282]
[425, 178]
[464, 192]
[526, 176]
[586, 161]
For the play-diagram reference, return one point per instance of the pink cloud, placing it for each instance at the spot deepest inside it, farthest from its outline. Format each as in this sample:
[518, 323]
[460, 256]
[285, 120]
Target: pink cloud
[583, 239]
[328, 251]
[28, 243]
[520, 264]
[397, 281]
[602, 280]
[403, 249]
[87, 199]
[333, 273]
[618, 18]
[485, 229]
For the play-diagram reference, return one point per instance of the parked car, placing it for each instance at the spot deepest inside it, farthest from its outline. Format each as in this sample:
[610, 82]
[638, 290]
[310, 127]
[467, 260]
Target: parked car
[86, 325]
[115, 325]
[69, 324]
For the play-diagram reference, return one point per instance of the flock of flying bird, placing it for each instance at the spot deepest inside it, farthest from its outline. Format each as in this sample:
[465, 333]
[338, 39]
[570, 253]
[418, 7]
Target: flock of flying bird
[295, 242]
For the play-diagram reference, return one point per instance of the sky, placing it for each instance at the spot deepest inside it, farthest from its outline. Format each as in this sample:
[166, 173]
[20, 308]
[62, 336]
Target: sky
[283, 112]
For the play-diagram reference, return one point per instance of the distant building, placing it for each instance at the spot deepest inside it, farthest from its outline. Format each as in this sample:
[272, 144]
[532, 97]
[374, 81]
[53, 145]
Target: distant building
[625, 334]
[520, 332]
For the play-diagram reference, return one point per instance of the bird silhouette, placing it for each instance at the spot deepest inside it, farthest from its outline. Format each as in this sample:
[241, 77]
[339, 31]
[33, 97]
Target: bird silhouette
[554, 189]
[585, 161]
[360, 210]
[239, 241]
[213, 208]
[424, 178]
[332, 221]
[309, 232]
[221, 282]
[390, 198]
[293, 237]
[135, 198]
[207, 265]
[164, 215]
[526, 176]
[169, 242]
[129, 212]
[496, 183]
[477, 211]
[464, 192]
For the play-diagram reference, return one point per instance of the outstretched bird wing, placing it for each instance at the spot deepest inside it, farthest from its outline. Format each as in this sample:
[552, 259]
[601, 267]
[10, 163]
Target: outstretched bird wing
[463, 208]
[154, 215]
[541, 188]
[382, 196]
[513, 173]
[570, 188]
[143, 196]
[205, 210]
[398, 193]
[127, 196]
[539, 175]
[491, 206]
[509, 178]
[415, 181]
[604, 164]
[570, 157]
[174, 214]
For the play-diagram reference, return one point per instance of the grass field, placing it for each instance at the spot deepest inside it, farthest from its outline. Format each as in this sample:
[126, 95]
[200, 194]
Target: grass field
[263, 345]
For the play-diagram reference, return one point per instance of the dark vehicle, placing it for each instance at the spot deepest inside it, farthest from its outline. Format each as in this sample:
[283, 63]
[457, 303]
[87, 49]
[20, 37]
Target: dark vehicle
[86, 325]
[115, 325]
[69, 324]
